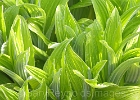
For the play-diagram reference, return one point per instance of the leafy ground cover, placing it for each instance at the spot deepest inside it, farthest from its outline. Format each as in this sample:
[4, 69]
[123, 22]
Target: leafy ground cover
[69, 50]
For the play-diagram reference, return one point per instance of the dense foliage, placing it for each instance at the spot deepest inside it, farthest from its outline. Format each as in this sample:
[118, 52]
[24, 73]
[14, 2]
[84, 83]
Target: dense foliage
[69, 50]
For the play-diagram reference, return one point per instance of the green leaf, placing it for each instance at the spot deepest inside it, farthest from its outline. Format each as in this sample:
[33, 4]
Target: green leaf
[37, 73]
[4, 48]
[24, 92]
[1, 39]
[6, 61]
[64, 57]
[9, 2]
[20, 39]
[74, 62]
[129, 93]
[12, 86]
[40, 54]
[53, 45]
[78, 45]
[132, 75]
[7, 94]
[20, 63]
[110, 6]
[34, 28]
[117, 93]
[118, 73]
[4, 78]
[33, 83]
[63, 18]
[118, 5]
[84, 23]
[127, 16]
[84, 12]
[49, 6]
[36, 16]
[40, 93]
[11, 74]
[2, 24]
[131, 26]
[128, 4]
[50, 93]
[134, 42]
[97, 68]
[13, 11]
[65, 85]
[112, 60]
[126, 40]
[55, 85]
[76, 72]
[19, 2]
[82, 3]
[131, 54]
[93, 48]
[93, 84]
[101, 11]
[113, 31]
[53, 64]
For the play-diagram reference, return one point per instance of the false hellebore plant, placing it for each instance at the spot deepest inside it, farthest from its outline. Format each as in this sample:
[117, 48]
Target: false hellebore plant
[69, 50]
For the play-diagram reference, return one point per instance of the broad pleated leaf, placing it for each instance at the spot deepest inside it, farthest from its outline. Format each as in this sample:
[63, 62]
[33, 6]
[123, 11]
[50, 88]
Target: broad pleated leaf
[36, 16]
[131, 26]
[93, 84]
[79, 46]
[76, 72]
[101, 11]
[53, 64]
[112, 60]
[13, 11]
[64, 17]
[55, 85]
[74, 62]
[117, 93]
[36, 73]
[40, 54]
[82, 3]
[20, 63]
[4, 48]
[127, 4]
[117, 4]
[34, 28]
[133, 75]
[131, 54]
[113, 31]
[97, 68]
[20, 39]
[2, 24]
[49, 6]
[127, 15]
[133, 43]
[4, 78]
[118, 73]
[84, 23]
[9, 2]
[14, 76]
[6, 61]
[24, 92]
[93, 48]
[126, 40]
[7, 94]
[40, 93]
